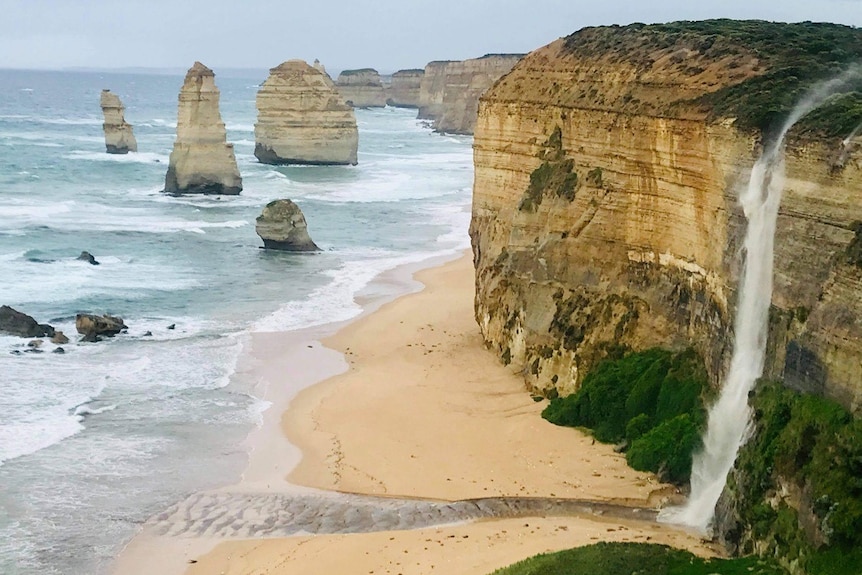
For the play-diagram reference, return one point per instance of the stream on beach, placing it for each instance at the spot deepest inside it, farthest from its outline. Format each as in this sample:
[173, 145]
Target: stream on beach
[96, 440]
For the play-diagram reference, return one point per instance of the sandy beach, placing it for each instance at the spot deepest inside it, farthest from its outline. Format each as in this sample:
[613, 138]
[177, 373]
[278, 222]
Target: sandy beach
[412, 408]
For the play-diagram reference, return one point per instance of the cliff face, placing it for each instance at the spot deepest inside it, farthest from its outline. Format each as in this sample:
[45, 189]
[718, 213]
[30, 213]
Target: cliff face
[449, 91]
[361, 88]
[403, 91]
[202, 161]
[605, 212]
[302, 119]
[119, 138]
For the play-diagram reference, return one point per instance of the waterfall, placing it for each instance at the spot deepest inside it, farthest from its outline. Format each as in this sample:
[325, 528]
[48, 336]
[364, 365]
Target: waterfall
[729, 420]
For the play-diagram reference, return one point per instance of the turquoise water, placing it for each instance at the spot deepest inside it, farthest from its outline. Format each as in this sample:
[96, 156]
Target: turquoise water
[94, 441]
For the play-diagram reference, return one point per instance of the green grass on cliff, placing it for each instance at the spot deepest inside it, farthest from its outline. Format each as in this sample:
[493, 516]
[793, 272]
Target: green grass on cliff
[814, 445]
[636, 559]
[653, 400]
[791, 57]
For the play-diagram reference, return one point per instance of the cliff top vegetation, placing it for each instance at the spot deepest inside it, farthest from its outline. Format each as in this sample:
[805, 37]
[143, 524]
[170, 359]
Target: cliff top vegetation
[759, 69]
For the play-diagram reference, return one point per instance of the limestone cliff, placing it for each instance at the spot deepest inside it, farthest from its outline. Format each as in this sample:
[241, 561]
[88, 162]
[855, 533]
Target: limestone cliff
[302, 119]
[119, 138]
[202, 161]
[361, 88]
[403, 90]
[449, 91]
[607, 171]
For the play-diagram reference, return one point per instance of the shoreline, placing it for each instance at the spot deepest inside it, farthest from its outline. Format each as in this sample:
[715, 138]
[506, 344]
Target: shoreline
[352, 437]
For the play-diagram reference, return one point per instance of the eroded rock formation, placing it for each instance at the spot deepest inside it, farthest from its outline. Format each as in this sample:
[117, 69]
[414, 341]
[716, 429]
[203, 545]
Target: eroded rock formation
[404, 88]
[93, 327]
[361, 88]
[605, 213]
[302, 119]
[119, 138]
[450, 90]
[202, 162]
[282, 226]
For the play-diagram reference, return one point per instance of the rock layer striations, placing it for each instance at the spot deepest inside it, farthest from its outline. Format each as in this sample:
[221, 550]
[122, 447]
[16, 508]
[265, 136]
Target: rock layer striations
[119, 138]
[605, 212]
[404, 88]
[450, 90]
[302, 119]
[361, 88]
[202, 161]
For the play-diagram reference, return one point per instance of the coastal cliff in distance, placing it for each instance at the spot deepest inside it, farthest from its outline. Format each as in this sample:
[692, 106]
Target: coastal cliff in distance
[404, 89]
[302, 119]
[449, 91]
[119, 138]
[202, 162]
[361, 88]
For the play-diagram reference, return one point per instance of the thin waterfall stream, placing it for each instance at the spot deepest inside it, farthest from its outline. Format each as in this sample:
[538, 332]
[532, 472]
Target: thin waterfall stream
[729, 420]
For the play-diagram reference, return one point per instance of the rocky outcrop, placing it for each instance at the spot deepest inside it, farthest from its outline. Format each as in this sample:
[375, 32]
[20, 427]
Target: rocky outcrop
[607, 171]
[119, 138]
[404, 88]
[282, 226]
[302, 119]
[202, 162]
[450, 90]
[14, 322]
[93, 327]
[361, 88]
[88, 257]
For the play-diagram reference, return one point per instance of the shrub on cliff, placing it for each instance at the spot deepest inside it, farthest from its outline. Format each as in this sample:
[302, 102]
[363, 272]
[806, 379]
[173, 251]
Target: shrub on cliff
[814, 445]
[636, 559]
[652, 399]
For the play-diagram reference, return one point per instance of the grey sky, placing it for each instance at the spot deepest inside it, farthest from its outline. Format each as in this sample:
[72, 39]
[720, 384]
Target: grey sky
[384, 34]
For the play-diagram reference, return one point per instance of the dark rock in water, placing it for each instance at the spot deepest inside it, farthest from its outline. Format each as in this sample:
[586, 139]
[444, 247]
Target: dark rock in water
[92, 326]
[36, 343]
[88, 257]
[91, 338]
[15, 352]
[59, 350]
[33, 350]
[148, 334]
[172, 326]
[282, 226]
[59, 338]
[14, 322]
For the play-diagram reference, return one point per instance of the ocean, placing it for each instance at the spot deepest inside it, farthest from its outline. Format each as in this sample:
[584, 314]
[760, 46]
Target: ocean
[96, 440]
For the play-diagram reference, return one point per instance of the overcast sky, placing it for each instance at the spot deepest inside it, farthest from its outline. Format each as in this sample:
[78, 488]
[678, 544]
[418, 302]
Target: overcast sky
[384, 34]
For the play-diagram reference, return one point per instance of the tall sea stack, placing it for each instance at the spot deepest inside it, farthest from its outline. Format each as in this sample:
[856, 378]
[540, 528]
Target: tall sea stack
[119, 138]
[202, 162]
[403, 91]
[302, 119]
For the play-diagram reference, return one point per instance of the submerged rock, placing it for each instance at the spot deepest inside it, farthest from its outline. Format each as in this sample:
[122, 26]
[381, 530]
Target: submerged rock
[362, 88]
[282, 226]
[302, 119]
[119, 138]
[59, 338]
[88, 257]
[202, 162]
[94, 326]
[13, 322]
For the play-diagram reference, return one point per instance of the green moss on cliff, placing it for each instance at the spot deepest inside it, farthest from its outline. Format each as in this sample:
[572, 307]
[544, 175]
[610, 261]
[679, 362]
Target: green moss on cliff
[653, 399]
[555, 176]
[635, 559]
[790, 59]
[815, 446]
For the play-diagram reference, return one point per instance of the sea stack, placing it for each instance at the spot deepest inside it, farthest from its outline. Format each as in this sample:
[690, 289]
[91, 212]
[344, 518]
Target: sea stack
[202, 162]
[403, 91]
[119, 138]
[282, 226]
[302, 119]
[362, 88]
